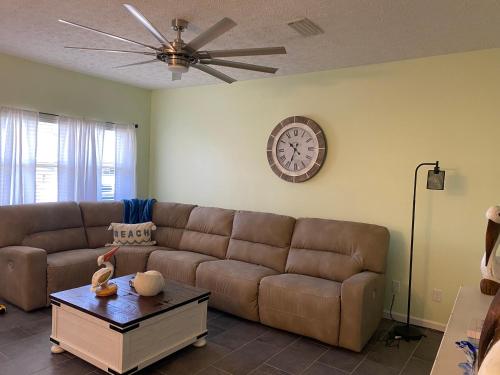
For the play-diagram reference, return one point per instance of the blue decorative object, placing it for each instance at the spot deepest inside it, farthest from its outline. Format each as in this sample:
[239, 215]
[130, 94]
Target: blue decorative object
[471, 353]
[138, 210]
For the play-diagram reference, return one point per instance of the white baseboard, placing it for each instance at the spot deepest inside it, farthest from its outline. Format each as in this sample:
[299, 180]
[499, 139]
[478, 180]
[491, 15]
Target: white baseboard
[416, 321]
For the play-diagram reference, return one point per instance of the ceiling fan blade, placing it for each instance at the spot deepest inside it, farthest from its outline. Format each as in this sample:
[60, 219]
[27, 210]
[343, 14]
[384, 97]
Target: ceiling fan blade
[243, 52]
[239, 65]
[212, 33]
[137, 63]
[108, 34]
[214, 73]
[111, 50]
[148, 25]
[176, 76]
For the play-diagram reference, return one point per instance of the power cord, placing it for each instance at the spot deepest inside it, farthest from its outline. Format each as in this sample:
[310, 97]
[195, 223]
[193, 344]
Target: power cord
[390, 339]
[392, 305]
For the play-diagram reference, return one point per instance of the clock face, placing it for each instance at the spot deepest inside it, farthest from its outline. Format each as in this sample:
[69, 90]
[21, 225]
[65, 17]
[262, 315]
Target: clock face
[296, 149]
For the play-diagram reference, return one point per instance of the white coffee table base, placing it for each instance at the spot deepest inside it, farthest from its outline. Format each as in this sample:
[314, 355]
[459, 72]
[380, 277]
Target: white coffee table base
[127, 350]
[200, 343]
[56, 349]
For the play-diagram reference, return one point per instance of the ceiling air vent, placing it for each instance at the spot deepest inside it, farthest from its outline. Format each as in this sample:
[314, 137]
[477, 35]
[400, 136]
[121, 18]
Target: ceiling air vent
[306, 27]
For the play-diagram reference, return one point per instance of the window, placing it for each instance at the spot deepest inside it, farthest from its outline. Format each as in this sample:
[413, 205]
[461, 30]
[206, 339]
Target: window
[49, 158]
[108, 165]
[46, 159]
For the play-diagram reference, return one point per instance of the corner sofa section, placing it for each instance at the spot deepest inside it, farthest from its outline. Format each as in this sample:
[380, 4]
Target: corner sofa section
[320, 278]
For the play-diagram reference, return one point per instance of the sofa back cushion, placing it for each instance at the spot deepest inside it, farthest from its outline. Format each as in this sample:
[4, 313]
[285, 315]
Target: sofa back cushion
[336, 250]
[97, 216]
[49, 226]
[261, 238]
[170, 220]
[207, 231]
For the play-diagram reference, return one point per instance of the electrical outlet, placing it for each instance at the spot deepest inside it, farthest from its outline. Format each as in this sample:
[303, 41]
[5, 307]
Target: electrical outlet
[396, 286]
[437, 295]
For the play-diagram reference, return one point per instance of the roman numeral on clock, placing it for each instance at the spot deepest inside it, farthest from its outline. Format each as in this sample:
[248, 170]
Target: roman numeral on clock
[287, 164]
[295, 132]
[310, 149]
[281, 150]
[309, 157]
[282, 157]
[294, 166]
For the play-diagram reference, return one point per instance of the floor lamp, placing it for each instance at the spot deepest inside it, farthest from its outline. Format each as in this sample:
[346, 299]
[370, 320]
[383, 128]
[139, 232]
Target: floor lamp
[435, 181]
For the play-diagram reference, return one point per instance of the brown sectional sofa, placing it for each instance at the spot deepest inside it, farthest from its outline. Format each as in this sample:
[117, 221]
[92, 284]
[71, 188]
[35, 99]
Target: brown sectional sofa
[319, 278]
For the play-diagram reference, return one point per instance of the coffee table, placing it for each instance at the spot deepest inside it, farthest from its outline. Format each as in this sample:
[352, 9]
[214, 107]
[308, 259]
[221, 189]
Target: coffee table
[127, 332]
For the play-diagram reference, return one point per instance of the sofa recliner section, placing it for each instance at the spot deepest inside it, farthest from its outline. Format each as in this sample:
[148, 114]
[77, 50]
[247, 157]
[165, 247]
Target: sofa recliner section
[205, 237]
[257, 248]
[335, 255]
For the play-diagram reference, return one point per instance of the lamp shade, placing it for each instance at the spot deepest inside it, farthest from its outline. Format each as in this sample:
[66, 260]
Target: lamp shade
[435, 179]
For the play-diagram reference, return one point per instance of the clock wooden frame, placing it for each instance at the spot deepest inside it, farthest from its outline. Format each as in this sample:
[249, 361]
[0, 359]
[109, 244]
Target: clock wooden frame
[319, 155]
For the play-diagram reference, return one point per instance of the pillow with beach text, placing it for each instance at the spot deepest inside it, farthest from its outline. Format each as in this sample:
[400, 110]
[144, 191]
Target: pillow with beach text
[132, 234]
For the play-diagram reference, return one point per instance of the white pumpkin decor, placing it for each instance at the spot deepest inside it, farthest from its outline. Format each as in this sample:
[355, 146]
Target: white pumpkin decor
[148, 283]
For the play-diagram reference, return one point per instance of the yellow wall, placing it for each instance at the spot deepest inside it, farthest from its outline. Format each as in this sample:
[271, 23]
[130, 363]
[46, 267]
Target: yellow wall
[30, 85]
[208, 147]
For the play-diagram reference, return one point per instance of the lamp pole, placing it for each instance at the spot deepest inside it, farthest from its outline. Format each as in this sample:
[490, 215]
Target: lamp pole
[406, 331]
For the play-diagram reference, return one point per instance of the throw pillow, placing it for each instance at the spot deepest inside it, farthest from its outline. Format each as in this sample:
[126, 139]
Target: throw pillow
[132, 234]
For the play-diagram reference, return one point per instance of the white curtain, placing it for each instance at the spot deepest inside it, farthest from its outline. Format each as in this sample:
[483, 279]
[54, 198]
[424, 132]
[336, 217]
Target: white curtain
[125, 162]
[80, 159]
[18, 131]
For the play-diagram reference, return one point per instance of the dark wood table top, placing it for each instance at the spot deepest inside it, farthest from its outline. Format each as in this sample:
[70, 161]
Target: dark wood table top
[128, 308]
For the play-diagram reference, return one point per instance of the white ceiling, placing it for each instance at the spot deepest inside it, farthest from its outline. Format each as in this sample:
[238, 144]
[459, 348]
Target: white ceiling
[357, 32]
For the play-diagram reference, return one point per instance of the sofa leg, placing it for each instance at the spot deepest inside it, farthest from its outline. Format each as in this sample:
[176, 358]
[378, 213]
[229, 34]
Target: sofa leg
[56, 349]
[200, 343]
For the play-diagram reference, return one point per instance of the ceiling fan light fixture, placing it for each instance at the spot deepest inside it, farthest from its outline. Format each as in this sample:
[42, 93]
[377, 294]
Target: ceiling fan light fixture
[177, 64]
[178, 68]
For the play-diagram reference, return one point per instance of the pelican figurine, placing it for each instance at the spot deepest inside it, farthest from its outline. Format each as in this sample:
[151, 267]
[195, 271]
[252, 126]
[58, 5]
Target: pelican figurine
[101, 277]
[490, 267]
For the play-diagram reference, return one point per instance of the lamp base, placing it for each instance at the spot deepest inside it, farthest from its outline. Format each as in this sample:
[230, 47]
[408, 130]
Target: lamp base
[408, 332]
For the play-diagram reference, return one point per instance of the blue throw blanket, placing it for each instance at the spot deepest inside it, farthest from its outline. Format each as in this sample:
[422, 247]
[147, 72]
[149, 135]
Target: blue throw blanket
[138, 210]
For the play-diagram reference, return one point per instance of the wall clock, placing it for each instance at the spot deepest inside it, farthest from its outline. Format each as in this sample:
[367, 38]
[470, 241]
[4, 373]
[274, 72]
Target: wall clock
[296, 149]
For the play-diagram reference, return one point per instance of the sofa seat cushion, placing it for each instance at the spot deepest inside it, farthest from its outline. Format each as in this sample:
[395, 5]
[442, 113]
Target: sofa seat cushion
[302, 304]
[177, 265]
[71, 269]
[234, 285]
[131, 259]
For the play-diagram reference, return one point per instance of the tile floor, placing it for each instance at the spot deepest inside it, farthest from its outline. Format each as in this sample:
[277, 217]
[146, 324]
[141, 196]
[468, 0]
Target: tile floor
[235, 346]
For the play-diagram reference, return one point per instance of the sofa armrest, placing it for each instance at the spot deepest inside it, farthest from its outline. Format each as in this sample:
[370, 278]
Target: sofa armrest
[361, 308]
[23, 276]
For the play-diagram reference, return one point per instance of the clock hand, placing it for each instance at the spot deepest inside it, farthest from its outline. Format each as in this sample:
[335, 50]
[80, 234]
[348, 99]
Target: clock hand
[296, 148]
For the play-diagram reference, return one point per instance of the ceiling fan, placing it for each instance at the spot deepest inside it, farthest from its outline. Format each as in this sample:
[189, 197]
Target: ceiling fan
[180, 56]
